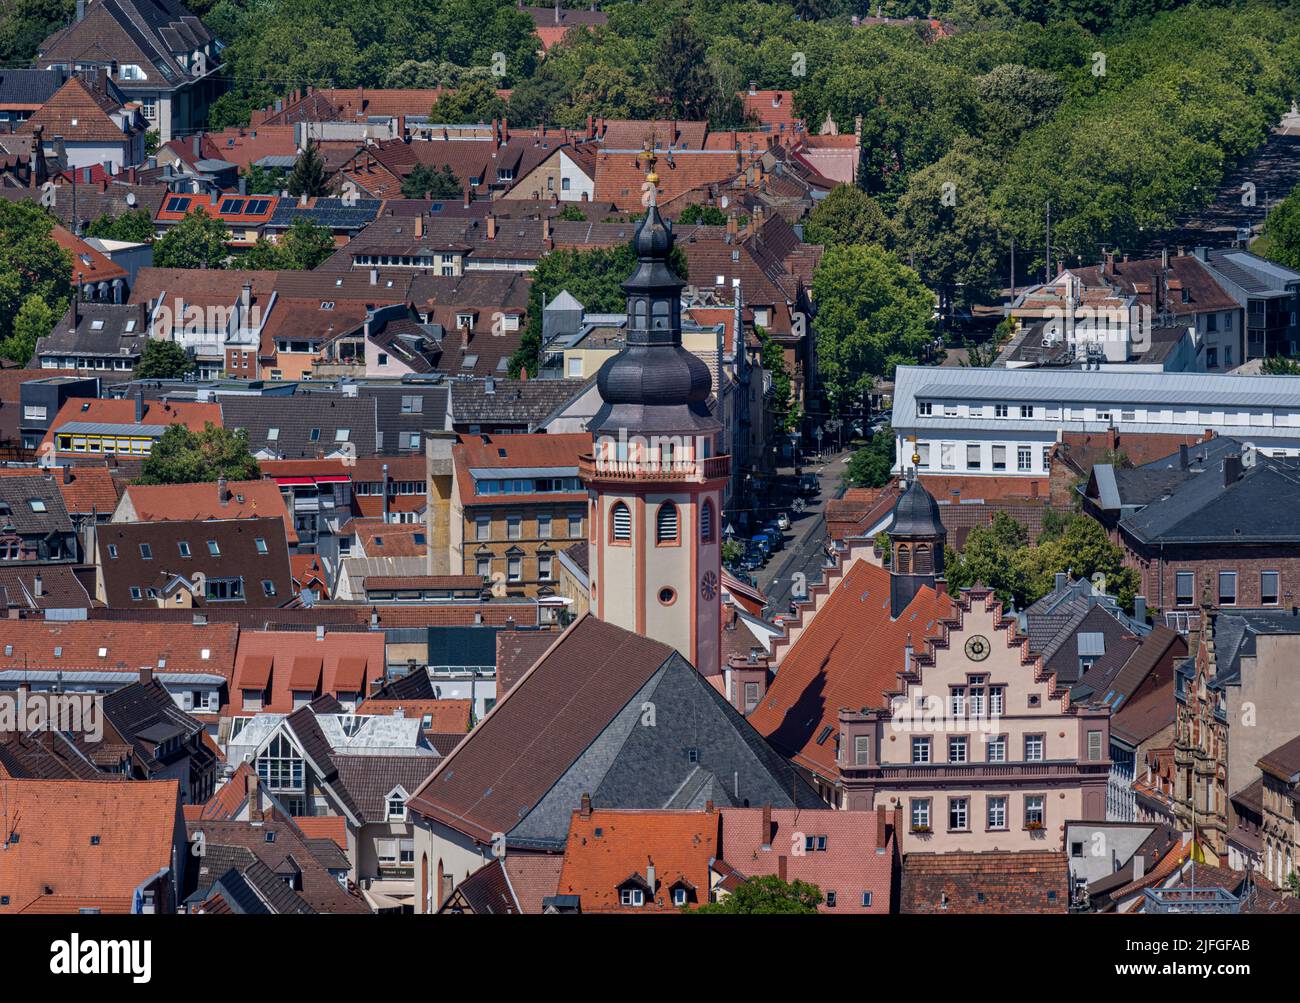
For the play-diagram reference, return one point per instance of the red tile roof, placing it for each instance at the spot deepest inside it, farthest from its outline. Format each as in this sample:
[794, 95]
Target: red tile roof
[534, 450]
[449, 717]
[56, 867]
[184, 502]
[606, 848]
[80, 114]
[88, 264]
[772, 108]
[272, 659]
[1030, 881]
[126, 646]
[856, 859]
[620, 173]
[848, 655]
[85, 489]
[122, 412]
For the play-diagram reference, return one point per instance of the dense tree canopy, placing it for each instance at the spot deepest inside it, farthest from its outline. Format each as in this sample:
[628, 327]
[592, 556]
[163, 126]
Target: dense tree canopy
[869, 467]
[185, 457]
[873, 312]
[768, 894]
[197, 241]
[35, 277]
[163, 360]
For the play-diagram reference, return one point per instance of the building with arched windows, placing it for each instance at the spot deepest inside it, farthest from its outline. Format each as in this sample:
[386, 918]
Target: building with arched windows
[654, 476]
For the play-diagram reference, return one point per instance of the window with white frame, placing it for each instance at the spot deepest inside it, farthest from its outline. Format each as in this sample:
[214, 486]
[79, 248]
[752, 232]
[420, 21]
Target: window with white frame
[1024, 458]
[1035, 814]
[920, 749]
[1034, 748]
[921, 813]
[397, 806]
[958, 814]
[997, 812]
[996, 748]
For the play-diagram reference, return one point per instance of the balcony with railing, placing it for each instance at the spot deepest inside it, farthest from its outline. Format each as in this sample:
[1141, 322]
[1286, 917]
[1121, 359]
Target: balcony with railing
[688, 469]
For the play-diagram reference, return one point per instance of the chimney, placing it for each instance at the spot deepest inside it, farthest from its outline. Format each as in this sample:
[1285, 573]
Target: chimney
[38, 586]
[383, 486]
[766, 831]
[245, 299]
[81, 9]
[505, 130]
[146, 674]
[1140, 609]
[374, 276]
[139, 405]
[467, 197]
[586, 806]
[1231, 469]
[254, 799]
[882, 826]
[320, 632]
[419, 225]
[1182, 457]
[781, 867]
[1062, 580]
[491, 227]
[223, 493]
[546, 229]
[650, 875]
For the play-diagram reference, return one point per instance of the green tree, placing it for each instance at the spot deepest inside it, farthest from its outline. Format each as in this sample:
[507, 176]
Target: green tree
[786, 414]
[947, 230]
[707, 215]
[31, 264]
[848, 215]
[869, 467]
[1013, 99]
[185, 457]
[163, 360]
[197, 241]
[732, 551]
[873, 313]
[685, 82]
[594, 277]
[991, 557]
[265, 180]
[1276, 365]
[35, 320]
[572, 214]
[1282, 230]
[475, 101]
[427, 182]
[135, 226]
[301, 248]
[768, 895]
[309, 176]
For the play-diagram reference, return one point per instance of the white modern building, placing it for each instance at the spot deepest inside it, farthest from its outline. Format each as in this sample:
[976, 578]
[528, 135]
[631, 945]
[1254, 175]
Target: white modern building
[1005, 422]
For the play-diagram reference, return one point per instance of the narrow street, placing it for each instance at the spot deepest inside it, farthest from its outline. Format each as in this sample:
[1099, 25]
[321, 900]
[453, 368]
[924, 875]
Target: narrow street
[804, 551]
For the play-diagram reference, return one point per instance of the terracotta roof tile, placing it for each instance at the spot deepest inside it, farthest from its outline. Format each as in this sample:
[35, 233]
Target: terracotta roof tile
[270, 660]
[606, 848]
[91, 844]
[194, 502]
[1036, 881]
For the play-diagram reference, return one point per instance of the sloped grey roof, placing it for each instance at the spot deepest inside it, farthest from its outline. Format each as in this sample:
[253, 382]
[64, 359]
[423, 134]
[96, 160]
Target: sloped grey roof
[19, 492]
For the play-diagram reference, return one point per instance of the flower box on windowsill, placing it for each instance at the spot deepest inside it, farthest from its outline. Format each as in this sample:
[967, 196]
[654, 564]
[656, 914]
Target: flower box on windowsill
[1034, 826]
[921, 830]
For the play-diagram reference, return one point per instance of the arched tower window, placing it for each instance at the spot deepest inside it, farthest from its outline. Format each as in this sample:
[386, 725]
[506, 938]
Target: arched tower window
[661, 315]
[666, 524]
[620, 520]
[639, 313]
[902, 559]
[706, 523]
[924, 562]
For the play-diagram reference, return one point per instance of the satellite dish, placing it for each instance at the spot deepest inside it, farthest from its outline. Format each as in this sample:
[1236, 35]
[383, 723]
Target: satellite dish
[724, 201]
[130, 199]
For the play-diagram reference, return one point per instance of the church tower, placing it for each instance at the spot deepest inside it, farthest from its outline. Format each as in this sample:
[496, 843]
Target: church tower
[916, 538]
[655, 477]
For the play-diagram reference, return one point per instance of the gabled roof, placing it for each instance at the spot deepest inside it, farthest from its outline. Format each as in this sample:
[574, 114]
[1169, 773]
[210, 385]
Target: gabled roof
[33, 505]
[80, 113]
[151, 554]
[85, 843]
[197, 502]
[270, 659]
[122, 647]
[849, 655]
[307, 425]
[570, 727]
[607, 848]
[1034, 881]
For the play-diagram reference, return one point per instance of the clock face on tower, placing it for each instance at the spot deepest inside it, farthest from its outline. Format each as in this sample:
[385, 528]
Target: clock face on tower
[977, 648]
[709, 585]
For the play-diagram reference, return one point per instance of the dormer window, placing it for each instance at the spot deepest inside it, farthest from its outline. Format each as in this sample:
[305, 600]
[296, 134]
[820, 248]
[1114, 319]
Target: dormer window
[631, 896]
[397, 805]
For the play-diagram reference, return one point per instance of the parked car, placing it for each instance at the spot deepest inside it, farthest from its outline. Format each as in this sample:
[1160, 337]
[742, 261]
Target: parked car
[809, 485]
[762, 542]
[782, 521]
[773, 532]
[753, 559]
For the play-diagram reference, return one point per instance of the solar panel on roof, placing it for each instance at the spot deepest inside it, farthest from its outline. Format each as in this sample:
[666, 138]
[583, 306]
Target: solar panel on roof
[256, 207]
[232, 206]
[177, 204]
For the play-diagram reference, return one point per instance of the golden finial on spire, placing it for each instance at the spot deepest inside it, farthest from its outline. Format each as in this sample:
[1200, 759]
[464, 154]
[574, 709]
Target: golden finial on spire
[648, 155]
[916, 453]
